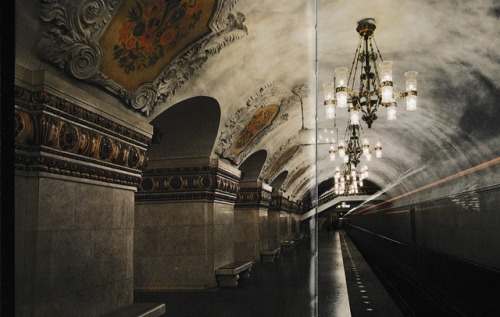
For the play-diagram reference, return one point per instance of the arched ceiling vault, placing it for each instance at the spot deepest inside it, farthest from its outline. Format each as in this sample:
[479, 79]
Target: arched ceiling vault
[271, 47]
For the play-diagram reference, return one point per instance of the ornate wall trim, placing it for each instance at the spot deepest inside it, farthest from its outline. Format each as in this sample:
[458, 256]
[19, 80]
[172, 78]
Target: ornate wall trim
[280, 203]
[56, 136]
[254, 197]
[194, 183]
[72, 30]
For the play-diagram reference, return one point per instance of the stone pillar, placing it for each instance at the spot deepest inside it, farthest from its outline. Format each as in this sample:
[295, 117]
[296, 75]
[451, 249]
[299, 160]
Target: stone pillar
[251, 221]
[297, 233]
[78, 162]
[184, 224]
[279, 214]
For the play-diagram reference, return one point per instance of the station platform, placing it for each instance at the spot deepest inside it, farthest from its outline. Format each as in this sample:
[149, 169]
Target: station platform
[331, 279]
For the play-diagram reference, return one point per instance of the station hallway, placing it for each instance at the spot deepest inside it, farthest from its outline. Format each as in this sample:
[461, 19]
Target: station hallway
[251, 158]
[340, 282]
[300, 283]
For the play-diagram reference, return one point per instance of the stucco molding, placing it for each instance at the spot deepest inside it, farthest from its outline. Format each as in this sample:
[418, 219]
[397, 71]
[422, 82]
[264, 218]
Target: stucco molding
[266, 95]
[72, 30]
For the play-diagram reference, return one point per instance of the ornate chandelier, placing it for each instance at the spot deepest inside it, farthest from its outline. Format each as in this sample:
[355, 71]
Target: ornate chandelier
[349, 180]
[354, 145]
[375, 86]
[350, 149]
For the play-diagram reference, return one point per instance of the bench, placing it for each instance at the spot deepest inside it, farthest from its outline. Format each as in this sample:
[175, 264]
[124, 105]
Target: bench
[270, 255]
[229, 274]
[287, 244]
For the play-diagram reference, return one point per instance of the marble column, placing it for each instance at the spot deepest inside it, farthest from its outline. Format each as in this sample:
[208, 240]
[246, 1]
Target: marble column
[251, 221]
[78, 163]
[184, 223]
[280, 222]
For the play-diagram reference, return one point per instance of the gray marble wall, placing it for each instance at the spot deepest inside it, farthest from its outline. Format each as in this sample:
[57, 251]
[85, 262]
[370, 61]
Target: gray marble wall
[274, 241]
[74, 247]
[263, 229]
[178, 245]
[285, 226]
[250, 233]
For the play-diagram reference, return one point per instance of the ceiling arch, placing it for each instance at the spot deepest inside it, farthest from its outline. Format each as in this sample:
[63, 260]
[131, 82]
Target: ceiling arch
[252, 166]
[187, 129]
[278, 181]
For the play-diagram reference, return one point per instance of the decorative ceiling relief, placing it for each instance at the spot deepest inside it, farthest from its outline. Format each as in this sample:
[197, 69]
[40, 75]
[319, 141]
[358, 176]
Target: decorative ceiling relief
[263, 113]
[298, 189]
[276, 163]
[141, 51]
[294, 175]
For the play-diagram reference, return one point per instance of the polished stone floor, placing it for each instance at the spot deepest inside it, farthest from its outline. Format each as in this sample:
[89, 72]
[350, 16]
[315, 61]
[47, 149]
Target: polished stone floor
[304, 281]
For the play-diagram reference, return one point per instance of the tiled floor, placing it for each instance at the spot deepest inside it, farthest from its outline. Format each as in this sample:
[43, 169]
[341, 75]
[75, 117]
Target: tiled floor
[293, 285]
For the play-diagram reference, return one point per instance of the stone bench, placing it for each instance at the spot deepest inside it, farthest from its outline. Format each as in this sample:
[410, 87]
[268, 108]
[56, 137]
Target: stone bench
[229, 274]
[287, 245]
[270, 255]
[139, 310]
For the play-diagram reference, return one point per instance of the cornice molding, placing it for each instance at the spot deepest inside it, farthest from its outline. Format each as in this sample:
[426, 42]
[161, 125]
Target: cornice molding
[253, 197]
[192, 183]
[57, 136]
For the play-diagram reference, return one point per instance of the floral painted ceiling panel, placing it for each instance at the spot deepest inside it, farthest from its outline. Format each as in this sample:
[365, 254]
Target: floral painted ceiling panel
[146, 35]
[140, 50]
[261, 119]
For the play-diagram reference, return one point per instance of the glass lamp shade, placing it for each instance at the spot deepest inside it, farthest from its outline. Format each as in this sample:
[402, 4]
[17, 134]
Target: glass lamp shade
[307, 136]
[330, 110]
[329, 91]
[391, 112]
[368, 157]
[378, 150]
[341, 149]
[385, 71]
[411, 103]
[411, 90]
[355, 116]
[342, 99]
[387, 93]
[341, 74]
[365, 146]
[346, 158]
[332, 153]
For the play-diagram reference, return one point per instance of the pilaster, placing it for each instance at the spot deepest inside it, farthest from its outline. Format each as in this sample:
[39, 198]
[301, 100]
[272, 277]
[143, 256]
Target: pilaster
[184, 223]
[251, 221]
[78, 162]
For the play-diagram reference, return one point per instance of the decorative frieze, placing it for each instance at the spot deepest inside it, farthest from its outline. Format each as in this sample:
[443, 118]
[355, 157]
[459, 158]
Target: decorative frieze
[254, 197]
[57, 136]
[192, 183]
[280, 203]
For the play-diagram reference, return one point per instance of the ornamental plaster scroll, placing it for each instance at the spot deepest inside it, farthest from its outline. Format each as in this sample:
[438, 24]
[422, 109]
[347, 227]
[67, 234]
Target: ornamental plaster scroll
[294, 175]
[276, 163]
[301, 187]
[71, 41]
[270, 94]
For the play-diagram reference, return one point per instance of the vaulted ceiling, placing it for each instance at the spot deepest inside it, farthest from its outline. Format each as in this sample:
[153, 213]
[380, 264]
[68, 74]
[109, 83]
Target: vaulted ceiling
[232, 92]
